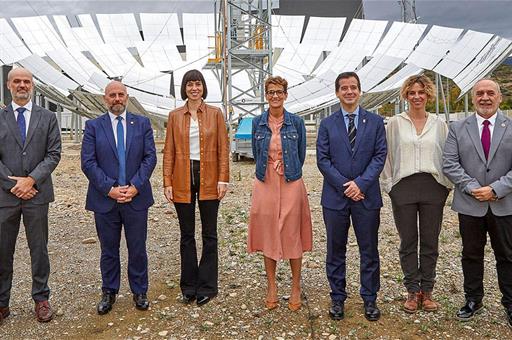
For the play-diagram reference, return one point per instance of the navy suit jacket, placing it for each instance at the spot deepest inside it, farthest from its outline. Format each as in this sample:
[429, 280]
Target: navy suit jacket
[101, 166]
[338, 164]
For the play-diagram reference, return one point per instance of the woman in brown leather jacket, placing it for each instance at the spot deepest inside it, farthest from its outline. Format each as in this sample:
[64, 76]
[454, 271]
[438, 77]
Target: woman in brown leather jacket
[196, 166]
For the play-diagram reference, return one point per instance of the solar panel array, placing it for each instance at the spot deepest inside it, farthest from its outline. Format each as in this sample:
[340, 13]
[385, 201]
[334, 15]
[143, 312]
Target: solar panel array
[143, 50]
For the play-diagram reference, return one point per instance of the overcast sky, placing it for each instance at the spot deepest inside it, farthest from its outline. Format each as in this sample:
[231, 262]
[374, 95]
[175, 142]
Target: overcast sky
[492, 16]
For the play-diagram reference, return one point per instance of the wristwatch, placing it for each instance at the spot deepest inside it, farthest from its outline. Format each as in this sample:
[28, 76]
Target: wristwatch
[494, 194]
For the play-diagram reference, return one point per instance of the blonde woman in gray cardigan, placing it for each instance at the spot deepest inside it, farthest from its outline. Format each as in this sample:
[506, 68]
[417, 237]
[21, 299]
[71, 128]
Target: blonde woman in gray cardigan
[414, 180]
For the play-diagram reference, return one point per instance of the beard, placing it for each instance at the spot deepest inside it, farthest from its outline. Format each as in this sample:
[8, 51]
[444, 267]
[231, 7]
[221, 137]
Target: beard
[486, 111]
[22, 95]
[117, 108]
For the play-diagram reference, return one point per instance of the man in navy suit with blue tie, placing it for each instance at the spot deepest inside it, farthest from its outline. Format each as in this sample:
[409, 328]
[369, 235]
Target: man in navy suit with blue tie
[118, 158]
[351, 151]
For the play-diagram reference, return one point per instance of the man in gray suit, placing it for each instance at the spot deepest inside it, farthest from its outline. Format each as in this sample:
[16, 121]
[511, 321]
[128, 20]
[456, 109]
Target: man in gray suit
[30, 147]
[478, 160]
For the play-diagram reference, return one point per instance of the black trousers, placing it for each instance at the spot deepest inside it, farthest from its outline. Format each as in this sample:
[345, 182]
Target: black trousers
[474, 237]
[418, 201]
[198, 278]
[35, 219]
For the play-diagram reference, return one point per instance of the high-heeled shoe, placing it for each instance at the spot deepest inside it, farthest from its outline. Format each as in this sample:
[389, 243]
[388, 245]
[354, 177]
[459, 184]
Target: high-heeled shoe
[271, 304]
[294, 306]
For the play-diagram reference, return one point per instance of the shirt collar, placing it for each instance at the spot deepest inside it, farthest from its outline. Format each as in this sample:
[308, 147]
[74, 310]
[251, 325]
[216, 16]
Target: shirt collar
[201, 108]
[480, 119]
[345, 113]
[113, 116]
[27, 106]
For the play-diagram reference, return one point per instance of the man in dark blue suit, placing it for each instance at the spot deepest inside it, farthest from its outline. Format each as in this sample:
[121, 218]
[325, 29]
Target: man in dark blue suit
[118, 158]
[351, 151]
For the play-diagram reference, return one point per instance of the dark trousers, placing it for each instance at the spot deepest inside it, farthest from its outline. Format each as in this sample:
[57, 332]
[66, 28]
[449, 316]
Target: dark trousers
[366, 227]
[198, 278]
[418, 203]
[474, 237]
[108, 226]
[35, 219]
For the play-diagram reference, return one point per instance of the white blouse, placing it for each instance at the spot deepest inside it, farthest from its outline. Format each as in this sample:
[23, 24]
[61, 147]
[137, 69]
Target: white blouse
[410, 153]
[194, 140]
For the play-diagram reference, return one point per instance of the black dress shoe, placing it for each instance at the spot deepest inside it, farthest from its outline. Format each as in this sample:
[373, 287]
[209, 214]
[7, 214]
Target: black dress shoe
[202, 300]
[188, 298]
[336, 312]
[509, 316]
[105, 305]
[141, 301]
[469, 310]
[371, 311]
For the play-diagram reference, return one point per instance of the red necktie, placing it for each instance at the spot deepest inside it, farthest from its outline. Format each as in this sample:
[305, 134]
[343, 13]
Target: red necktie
[486, 138]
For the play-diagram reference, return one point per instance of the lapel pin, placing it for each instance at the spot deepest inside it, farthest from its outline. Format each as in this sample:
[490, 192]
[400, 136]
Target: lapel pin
[364, 120]
[131, 122]
[502, 124]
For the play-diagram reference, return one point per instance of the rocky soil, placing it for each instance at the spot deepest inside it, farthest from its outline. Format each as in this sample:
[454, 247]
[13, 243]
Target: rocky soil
[238, 311]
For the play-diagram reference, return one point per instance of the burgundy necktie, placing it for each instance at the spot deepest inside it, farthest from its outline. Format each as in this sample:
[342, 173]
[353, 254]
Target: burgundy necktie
[486, 138]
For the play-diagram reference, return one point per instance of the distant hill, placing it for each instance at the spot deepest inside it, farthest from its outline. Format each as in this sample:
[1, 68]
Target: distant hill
[503, 75]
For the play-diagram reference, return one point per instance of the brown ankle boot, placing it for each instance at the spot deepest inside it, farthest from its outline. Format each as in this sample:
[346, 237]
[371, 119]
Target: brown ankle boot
[411, 304]
[429, 305]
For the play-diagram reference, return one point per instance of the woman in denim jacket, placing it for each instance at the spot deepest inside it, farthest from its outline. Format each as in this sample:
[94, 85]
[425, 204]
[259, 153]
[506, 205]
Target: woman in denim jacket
[280, 220]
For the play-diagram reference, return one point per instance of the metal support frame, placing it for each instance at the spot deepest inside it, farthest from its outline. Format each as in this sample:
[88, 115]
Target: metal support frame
[245, 45]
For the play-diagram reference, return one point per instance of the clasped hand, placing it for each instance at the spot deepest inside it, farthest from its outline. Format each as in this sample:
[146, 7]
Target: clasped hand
[353, 192]
[483, 194]
[123, 194]
[24, 187]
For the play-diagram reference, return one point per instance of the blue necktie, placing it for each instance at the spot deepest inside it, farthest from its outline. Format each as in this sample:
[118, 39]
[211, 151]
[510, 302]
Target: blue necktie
[22, 124]
[121, 153]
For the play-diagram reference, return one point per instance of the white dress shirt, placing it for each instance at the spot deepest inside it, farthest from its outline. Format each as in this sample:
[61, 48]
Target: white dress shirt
[26, 114]
[114, 120]
[480, 123]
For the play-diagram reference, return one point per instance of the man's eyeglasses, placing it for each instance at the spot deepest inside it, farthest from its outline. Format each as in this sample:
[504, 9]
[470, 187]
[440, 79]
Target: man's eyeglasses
[279, 93]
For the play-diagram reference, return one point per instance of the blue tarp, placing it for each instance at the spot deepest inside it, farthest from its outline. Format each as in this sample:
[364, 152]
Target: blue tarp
[244, 129]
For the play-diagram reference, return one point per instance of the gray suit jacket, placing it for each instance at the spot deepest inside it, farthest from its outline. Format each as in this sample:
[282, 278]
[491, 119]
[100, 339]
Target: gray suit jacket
[37, 158]
[465, 165]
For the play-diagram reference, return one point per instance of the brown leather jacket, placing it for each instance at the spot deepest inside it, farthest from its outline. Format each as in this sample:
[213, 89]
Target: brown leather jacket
[213, 148]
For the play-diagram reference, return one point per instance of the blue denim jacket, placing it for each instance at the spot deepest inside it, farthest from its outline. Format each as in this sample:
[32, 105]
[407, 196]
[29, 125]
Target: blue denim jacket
[293, 142]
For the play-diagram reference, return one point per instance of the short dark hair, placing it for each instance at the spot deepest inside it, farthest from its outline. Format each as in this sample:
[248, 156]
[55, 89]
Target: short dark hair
[345, 75]
[192, 75]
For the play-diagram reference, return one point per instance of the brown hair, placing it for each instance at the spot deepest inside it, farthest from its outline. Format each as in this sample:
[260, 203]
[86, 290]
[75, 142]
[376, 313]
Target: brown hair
[423, 80]
[276, 81]
[192, 75]
[346, 75]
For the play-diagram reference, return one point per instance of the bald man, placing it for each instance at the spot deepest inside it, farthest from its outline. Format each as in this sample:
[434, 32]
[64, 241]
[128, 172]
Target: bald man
[478, 160]
[30, 148]
[118, 158]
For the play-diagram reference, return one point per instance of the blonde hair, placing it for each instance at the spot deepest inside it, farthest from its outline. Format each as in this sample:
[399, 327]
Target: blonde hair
[423, 80]
[276, 81]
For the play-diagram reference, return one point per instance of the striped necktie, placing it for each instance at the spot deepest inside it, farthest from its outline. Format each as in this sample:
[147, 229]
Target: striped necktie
[121, 152]
[22, 125]
[352, 131]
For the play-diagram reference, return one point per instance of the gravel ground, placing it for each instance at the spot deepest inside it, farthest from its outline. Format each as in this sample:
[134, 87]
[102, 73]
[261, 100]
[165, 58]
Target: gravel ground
[238, 311]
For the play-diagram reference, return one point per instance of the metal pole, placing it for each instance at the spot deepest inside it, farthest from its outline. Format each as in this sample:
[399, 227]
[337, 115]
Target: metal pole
[437, 94]
[446, 113]
[466, 105]
[59, 117]
[448, 94]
